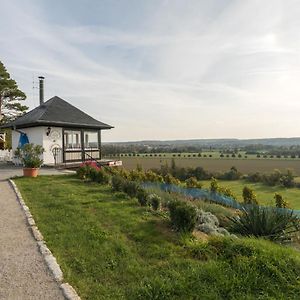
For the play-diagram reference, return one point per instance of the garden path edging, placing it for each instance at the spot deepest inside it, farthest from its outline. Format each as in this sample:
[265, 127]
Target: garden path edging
[68, 291]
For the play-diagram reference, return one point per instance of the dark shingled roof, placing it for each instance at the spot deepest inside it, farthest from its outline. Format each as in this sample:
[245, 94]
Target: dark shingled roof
[56, 112]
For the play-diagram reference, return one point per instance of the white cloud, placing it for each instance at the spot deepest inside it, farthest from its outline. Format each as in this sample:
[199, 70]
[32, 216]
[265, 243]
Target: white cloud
[193, 69]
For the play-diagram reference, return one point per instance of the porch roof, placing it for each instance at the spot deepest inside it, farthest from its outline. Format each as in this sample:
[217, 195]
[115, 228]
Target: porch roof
[56, 112]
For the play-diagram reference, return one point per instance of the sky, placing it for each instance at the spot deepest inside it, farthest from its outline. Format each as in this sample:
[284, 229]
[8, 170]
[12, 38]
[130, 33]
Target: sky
[156, 69]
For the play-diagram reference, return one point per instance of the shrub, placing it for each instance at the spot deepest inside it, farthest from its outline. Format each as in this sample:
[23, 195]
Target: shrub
[266, 222]
[249, 196]
[155, 201]
[131, 188]
[142, 197]
[272, 178]
[279, 201]
[214, 186]
[83, 171]
[30, 155]
[171, 179]
[254, 177]
[122, 172]
[232, 174]
[183, 216]
[192, 182]
[227, 192]
[287, 179]
[117, 183]
[153, 177]
[136, 175]
[98, 176]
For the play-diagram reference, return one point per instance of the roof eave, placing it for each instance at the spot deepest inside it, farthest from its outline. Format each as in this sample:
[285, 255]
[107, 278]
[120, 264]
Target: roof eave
[56, 124]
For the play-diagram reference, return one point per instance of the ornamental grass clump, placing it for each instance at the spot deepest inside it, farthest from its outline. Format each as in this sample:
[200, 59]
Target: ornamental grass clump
[183, 216]
[155, 201]
[267, 222]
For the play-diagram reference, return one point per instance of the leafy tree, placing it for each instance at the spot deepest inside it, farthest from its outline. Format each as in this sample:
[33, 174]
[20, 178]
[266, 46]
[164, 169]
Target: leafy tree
[10, 97]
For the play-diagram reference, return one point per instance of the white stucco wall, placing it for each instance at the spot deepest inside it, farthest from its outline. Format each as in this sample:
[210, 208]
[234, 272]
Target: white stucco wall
[53, 140]
[38, 135]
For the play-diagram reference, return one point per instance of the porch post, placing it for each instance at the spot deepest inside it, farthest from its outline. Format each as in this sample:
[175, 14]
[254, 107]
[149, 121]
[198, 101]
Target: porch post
[99, 144]
[82, 145]
[63, 146]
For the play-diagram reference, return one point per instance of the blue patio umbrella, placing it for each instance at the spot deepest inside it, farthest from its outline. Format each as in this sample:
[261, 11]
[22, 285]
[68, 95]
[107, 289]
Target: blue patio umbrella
[23, 139]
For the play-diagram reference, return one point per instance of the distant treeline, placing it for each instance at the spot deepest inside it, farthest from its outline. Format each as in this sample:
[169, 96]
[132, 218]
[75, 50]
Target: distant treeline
[257, 149]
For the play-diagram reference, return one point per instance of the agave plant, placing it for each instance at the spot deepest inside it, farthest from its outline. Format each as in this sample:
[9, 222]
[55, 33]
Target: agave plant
[271, 223]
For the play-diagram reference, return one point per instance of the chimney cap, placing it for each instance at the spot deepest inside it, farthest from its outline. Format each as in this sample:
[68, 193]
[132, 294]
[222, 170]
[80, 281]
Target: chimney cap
[41, 77]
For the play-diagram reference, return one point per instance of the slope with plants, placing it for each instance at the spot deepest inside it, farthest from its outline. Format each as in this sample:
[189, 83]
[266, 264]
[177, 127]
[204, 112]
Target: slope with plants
[110, 247]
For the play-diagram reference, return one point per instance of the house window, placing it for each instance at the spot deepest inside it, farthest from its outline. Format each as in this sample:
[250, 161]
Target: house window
[72, 139]
[91, 140]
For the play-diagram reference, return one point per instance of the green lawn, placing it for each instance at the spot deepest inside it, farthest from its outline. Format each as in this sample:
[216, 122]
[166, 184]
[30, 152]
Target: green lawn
[265, 194]
[110, 248]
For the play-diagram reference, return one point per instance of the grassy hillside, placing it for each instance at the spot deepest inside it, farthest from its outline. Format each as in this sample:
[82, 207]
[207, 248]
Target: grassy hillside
[110, 248]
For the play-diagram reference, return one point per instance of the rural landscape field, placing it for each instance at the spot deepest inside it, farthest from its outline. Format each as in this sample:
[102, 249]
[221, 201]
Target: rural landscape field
[150, 150]
[248, 165]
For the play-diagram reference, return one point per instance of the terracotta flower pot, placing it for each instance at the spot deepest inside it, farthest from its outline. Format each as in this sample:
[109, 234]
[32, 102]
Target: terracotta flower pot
[30, 172]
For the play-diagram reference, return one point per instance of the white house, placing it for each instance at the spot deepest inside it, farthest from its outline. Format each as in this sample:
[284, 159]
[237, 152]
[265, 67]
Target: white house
[66, 133]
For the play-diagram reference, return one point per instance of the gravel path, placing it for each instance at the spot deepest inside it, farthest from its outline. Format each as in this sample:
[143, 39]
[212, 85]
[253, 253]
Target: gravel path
[23, 272]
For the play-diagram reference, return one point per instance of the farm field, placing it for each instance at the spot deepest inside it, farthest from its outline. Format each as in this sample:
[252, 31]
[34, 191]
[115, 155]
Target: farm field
[109, 247]
[264, 193]
[221, 164]
[212, 154]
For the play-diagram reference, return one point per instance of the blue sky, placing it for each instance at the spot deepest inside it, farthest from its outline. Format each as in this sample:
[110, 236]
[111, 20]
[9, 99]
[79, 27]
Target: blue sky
[162, 69]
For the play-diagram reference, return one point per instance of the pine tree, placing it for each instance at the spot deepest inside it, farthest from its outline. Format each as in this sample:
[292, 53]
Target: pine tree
[10, 97]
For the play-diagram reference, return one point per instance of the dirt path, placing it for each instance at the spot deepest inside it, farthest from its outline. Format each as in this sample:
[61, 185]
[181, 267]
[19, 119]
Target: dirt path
[23, 272]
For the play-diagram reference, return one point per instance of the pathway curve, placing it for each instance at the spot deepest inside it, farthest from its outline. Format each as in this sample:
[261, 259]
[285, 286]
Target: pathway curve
[23, 272]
